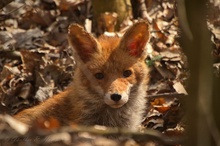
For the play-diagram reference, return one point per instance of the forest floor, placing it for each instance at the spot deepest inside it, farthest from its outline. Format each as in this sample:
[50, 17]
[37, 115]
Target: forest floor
[36, 63]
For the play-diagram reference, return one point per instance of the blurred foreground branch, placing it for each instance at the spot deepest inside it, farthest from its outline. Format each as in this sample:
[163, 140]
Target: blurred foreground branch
[76, 130]
[4, 3]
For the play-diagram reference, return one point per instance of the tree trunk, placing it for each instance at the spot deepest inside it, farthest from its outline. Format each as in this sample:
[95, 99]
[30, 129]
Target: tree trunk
[197, 47]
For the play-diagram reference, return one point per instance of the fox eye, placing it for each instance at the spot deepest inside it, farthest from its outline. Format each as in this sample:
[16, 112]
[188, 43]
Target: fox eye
[127, 73]
[99, 76]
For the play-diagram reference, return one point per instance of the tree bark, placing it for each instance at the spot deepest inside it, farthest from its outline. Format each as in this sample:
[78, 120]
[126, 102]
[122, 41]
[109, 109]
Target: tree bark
[197, 46]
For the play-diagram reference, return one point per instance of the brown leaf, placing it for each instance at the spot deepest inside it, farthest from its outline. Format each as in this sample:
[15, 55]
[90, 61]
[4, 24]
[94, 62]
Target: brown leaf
[158, 33]
[30, 60]
[47, 124]
[37, 16]
[162, 109]
[67, 4]
[107, 22]
[179, 88]
[25, 91]
[158, 101]
[168, 55]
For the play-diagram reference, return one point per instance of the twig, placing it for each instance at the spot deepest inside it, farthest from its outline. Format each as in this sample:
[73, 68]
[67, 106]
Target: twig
[144, 11]
[10, 54]
[3, 3]
[166, 95]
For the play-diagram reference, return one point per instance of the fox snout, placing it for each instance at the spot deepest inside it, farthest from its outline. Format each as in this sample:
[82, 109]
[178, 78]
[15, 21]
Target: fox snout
[117, 95]
[116, 100]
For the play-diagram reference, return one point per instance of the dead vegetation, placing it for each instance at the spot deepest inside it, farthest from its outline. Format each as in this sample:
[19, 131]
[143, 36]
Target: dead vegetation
[36, 63]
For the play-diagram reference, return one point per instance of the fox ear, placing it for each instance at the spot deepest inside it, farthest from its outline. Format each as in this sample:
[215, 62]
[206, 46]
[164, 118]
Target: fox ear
[83, 44]
[135, 39]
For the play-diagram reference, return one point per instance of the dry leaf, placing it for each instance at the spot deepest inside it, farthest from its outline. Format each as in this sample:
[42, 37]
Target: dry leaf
[179, 88]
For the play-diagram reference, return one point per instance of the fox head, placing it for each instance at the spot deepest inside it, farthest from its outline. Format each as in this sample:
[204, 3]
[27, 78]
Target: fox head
[112, 67]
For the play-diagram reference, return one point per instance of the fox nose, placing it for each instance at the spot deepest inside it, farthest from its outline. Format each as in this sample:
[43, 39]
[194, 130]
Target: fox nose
[116, 97]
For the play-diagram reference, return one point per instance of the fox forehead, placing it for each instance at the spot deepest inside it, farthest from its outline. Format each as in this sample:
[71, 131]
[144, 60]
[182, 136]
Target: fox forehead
[108, 43]
[108, 46]
[111, 58]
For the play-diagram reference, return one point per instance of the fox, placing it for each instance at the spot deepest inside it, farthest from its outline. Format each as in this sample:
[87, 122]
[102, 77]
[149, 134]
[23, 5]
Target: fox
[109, 85]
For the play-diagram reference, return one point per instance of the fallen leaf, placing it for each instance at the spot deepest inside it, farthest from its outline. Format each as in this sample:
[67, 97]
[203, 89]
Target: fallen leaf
[179, 88]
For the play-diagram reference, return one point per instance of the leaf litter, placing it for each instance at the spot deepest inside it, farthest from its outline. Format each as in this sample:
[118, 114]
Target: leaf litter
[36, 63]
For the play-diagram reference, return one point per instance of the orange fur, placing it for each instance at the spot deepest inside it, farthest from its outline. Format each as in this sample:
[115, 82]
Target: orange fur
[117, 97]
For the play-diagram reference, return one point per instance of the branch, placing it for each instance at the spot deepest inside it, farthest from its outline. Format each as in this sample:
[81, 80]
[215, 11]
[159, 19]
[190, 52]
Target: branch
[4, 3]
[15, 132]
